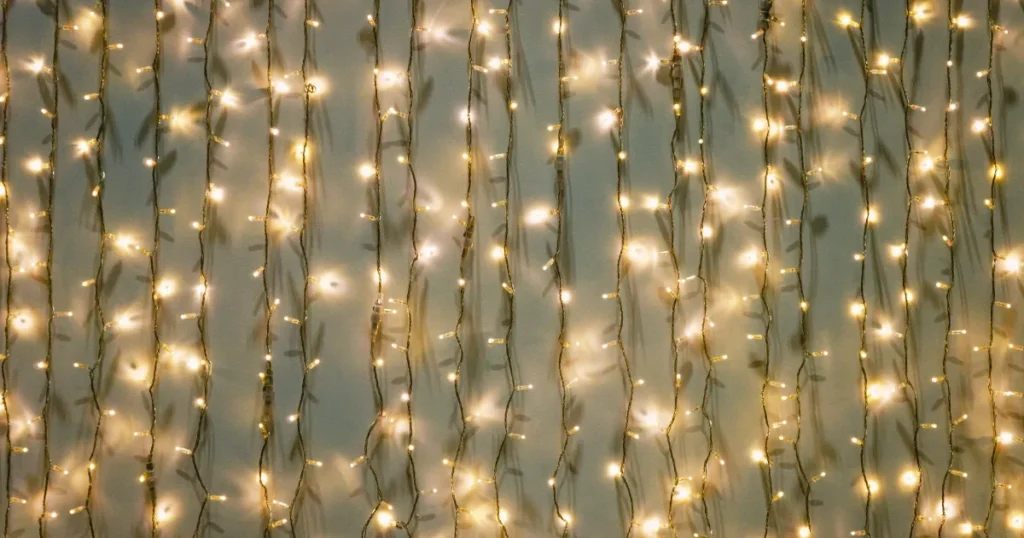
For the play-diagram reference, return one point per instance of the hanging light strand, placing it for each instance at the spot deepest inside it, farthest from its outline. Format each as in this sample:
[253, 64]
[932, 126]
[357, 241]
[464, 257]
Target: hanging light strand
[561, 163]
[912, 401]
[410, 81]
[464, 259]
[207, 370]
[267, 382]
[676, 80]
[995, 191]
[951, 244]
[510, 305]
[377, 319]
[702, 276]
[8, 296]
[99, 277]
[51, 186]
[149, 475]
[307, 10]
[805, 483]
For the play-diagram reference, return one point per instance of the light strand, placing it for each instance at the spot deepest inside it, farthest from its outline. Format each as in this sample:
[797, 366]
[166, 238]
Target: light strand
[510, 306]
[702, 251]
[149, 475]
[765, 21]
[377, 319]
[267, 380]
[913, 400]
[464, 258]
[4, 364]
[304, 261]
[99, 277]
[676, 80]
[805, 483]
[51, 186]
[414, 12]
[994, 195]
[620, 173]
[863, 314]
[951, 244]
[204, 281]
[561, 163]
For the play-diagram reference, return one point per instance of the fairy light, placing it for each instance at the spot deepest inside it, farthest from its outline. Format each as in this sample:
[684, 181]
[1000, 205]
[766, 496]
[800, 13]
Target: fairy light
[910, 478]
[709, 193]
[510, 298]
[373, 172]
[483, 28]
[204, 278]
[871, 216]
[267, 379]
[951, 244]
[561, 163]
[995, 191]
[304, 156]
[99, 277]
[8, 296]
[51, 187]
[767, 18]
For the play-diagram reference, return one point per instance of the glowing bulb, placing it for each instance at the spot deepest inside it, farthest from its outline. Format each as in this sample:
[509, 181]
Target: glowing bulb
[216, 193]
[651, 526]
[385, 519]
[962, 21]
[1011, 264]
[35, 165]
[910, 478]
[1005, 438]
[614, 470]
[607, 119]
[366, 170]
[750, 257]
[498, 252]
[165, 288]
[484, 28]
[1017, 521]
[804, 532]
[537, 215]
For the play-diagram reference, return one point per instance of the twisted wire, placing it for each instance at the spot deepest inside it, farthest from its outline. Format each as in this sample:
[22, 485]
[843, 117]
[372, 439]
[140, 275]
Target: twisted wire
[267, 381]
[467, 244]
[805, 483]
[51, 186]
[378, 314]
[414, 9]
[99, 192]
[862, 316]
[561, 165]
[207, 369]
[994, 192]
[912, 400]
[304, 261]
[620, 172]
[702, 251]
[676, 81]
[766, 23]
[149, 477]
[5, 403]
[510, 309]
[951, 243]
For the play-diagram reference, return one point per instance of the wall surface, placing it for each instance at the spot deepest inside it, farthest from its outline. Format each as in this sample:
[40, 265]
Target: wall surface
[732, 389]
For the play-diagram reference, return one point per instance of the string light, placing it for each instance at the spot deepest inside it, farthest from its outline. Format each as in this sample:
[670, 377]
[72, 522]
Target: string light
[5, 402]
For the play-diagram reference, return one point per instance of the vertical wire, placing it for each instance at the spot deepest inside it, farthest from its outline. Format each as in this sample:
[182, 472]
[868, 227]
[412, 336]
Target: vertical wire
[99, 192]
[766, 22]
[414, 9]
[994, 192]
[510, 309]
[708, 188]
[376, 320]
[862, 317]
[50, 191]
[676, 81]
[620, 172]
[5, 403]
[303, 250]
[805, 483]
[951, 243]
[204, 281]
[149, 477]
[912, 401]
[467, 244]
[267, 381]
[561, 166]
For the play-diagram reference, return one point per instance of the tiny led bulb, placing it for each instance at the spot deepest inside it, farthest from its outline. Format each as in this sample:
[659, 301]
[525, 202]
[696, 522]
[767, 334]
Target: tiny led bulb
[614, 470]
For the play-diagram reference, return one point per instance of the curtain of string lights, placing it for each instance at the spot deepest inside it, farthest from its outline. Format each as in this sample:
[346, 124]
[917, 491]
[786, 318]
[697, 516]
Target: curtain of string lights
[503, 268]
